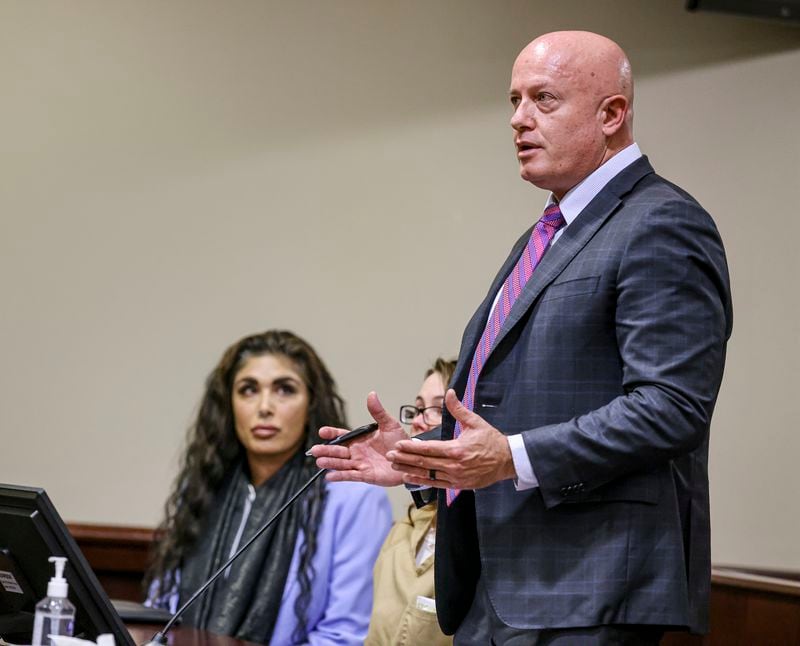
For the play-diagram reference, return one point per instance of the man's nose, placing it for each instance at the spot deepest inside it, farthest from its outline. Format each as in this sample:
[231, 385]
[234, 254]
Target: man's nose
[522, 119]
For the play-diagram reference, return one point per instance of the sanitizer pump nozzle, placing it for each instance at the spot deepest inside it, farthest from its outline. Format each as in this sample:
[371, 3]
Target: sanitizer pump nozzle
[58, 584]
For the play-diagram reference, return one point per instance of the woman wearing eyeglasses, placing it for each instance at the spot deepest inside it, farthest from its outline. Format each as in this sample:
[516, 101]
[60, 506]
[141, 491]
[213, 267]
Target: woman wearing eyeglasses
[404, 607]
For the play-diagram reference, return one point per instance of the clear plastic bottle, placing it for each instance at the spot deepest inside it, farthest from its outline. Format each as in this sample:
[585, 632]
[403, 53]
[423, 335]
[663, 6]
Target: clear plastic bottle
[55, 615]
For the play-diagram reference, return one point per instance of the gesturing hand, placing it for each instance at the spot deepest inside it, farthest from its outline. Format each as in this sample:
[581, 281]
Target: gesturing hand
[478, 458]
[364, 459]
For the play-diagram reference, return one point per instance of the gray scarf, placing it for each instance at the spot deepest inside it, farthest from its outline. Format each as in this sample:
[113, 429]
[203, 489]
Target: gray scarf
[245, 604]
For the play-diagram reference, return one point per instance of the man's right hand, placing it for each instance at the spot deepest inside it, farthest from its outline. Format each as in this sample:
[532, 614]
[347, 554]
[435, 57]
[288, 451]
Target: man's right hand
[363, 459]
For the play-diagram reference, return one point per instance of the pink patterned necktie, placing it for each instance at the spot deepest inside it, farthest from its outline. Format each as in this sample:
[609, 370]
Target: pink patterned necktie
[541, 236]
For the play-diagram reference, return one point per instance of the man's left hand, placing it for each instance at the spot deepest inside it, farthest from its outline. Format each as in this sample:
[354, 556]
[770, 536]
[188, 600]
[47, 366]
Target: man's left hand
[479, 457]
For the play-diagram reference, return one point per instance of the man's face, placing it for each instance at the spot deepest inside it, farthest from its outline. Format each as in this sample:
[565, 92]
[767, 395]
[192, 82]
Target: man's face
[557, 118]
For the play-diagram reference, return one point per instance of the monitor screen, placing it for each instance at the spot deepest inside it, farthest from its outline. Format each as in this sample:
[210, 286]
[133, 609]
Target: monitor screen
[31, 531]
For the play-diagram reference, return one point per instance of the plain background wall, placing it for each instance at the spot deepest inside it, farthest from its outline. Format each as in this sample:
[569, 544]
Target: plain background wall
[176, 175]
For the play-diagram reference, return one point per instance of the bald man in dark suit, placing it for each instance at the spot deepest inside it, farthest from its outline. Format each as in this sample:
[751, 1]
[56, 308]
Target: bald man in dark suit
[572, 464]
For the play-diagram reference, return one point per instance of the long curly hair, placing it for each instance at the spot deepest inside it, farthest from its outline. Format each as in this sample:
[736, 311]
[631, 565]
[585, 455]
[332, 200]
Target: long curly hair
[212, 449]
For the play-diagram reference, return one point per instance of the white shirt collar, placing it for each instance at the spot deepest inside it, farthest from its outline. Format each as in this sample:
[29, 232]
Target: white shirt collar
[579, 196]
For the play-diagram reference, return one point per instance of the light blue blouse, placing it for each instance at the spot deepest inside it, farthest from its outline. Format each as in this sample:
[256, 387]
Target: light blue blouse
[356, 519]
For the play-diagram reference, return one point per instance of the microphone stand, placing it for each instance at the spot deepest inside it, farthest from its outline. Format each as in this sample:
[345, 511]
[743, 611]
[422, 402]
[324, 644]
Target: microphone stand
[161, 636]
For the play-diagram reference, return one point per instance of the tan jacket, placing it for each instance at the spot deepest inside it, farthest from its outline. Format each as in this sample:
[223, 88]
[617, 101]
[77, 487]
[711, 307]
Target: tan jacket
[397, 618]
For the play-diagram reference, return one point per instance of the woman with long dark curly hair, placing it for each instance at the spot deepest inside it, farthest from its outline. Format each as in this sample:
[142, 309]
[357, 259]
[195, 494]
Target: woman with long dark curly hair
[308, 579]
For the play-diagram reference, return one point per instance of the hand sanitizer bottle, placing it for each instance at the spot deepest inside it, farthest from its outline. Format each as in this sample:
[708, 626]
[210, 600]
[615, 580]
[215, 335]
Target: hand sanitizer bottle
[55, 615]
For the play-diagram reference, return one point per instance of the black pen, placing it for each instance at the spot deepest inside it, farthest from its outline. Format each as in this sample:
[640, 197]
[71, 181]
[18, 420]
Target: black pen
[356, 432]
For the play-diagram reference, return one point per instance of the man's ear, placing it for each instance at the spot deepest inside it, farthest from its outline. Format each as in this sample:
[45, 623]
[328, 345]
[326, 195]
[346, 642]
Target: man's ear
[614, 110]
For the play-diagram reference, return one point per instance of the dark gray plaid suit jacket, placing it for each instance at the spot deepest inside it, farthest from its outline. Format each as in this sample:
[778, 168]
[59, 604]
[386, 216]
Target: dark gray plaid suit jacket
[609, 365]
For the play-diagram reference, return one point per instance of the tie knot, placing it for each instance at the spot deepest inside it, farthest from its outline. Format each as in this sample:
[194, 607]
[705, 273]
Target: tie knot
[552, 217]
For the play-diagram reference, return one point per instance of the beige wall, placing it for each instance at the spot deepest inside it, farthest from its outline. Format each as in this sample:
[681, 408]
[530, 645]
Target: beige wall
[176, 175]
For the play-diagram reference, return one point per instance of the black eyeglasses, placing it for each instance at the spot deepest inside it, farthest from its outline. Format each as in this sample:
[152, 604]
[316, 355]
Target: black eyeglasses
[432, 415]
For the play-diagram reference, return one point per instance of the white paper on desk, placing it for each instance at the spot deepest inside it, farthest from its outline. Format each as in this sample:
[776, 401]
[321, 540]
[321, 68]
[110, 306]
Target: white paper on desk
[105, 639]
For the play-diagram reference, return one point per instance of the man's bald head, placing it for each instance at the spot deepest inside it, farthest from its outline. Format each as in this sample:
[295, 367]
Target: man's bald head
[602, 63]
[572, 93]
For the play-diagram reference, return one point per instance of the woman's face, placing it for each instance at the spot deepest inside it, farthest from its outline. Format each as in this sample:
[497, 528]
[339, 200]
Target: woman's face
[431, 393]
[270, 408]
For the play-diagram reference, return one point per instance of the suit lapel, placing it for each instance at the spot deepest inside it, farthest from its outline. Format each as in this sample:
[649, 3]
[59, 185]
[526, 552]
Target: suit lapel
[574, 238]
[474, 329]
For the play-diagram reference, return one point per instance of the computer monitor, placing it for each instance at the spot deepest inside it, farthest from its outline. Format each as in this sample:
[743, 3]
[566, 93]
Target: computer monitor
[31, 531]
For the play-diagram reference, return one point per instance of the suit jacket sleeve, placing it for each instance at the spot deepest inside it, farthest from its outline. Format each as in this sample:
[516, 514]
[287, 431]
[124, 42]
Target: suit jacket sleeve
[672, 317]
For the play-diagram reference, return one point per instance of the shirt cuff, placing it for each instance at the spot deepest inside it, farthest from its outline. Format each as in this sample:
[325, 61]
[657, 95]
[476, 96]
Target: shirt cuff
[526, 478]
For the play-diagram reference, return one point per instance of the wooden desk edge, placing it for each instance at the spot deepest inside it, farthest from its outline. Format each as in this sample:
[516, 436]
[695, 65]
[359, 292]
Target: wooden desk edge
[183, 636]
[733, 577]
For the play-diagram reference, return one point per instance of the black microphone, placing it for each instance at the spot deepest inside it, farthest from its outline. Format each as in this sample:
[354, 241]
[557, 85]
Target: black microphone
[351, 435]
[161, 636]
